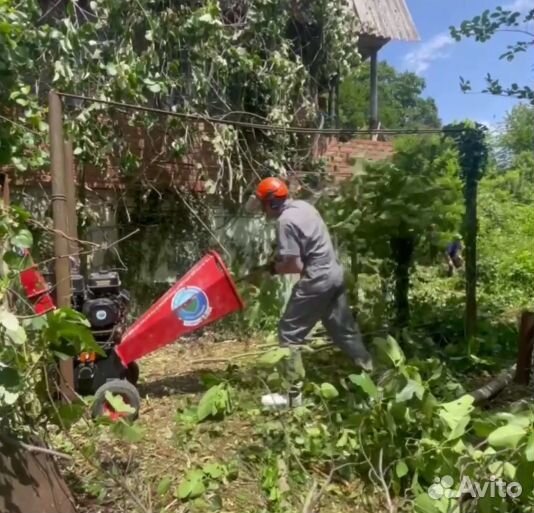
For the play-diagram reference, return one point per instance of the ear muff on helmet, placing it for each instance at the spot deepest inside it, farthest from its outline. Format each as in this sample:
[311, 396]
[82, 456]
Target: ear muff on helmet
[276, 203]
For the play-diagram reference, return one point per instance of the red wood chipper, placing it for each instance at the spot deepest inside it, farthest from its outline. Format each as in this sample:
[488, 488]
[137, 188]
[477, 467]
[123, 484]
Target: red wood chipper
[205, 294]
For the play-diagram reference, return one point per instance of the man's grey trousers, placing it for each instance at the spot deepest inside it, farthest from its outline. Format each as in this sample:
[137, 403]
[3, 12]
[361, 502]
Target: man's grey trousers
[321, 296]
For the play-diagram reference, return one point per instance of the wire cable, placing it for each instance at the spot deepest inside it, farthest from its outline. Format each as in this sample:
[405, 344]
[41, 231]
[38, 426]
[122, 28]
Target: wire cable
[266, 127]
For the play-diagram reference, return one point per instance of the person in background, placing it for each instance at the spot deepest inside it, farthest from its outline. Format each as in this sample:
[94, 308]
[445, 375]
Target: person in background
[453, 254]
[304, 247]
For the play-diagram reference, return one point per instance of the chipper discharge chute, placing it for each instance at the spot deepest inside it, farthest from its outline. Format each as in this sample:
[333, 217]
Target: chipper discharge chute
[205, 294]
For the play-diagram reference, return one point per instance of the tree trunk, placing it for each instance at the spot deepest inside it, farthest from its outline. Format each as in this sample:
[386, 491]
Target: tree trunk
[495, 386]
[471, 187]
[402, 249]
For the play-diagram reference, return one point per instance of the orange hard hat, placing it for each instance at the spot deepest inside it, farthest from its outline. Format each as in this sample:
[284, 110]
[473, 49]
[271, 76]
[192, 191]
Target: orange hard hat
[272, 188]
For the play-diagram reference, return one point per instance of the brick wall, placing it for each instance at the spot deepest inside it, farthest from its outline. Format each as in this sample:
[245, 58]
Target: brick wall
[199, 163]
[158, 165]
[343, 158]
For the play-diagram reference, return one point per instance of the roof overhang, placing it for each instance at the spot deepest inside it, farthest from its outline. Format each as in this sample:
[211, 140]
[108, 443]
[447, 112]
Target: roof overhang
[383, 21]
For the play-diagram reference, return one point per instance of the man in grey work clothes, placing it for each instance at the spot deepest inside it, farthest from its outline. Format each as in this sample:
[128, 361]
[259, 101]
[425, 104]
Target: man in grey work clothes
[304, 247]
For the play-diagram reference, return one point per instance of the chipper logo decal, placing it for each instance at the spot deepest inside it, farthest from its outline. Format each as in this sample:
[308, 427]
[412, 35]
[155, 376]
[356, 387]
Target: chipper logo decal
[191, 305]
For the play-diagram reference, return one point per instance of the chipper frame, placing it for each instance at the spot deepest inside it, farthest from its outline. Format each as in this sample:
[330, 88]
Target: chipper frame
[205, 294]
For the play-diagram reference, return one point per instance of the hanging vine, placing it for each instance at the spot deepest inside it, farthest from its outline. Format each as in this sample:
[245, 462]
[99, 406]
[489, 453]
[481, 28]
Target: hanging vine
[270, 58]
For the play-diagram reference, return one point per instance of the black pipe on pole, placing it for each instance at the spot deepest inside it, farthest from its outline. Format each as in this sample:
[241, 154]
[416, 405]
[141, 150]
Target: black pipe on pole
[61, 243]
[373, 122]
[70, 193]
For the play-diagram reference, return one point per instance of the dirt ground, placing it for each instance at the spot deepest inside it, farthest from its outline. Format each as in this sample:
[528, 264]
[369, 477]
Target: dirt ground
[167, 379]
[170, 380]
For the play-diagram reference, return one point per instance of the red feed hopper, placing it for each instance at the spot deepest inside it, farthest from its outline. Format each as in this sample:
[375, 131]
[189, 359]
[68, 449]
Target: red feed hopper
[202, 296]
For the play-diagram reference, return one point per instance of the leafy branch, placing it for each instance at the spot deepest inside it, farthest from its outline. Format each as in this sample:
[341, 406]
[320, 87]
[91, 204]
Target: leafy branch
[482, 28]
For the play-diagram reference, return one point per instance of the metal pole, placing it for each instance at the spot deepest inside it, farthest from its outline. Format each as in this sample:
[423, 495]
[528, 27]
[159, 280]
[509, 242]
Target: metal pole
[373, 122]
[70, 193]
[61, 246]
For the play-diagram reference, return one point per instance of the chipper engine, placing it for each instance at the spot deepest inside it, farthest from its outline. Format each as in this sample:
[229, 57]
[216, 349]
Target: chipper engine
[104, 303]
[205, 294]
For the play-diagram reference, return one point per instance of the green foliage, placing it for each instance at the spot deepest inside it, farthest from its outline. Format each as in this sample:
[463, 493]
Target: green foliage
[274, 356]
[518, 132]
[505, 248]
[118, 404]
[164, 486]
[401, 102]
[328, 391]
[31, 346]
[192, 486]
[482, 28]
[504, 270]
[416, 189]
[470, 139]
[215, 402]
[197, 481]
[382, 214]
[206, 57]
[405, 426]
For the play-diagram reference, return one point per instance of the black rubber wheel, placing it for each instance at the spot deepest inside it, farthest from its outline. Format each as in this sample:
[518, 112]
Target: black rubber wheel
[132, 373]
[120, 387]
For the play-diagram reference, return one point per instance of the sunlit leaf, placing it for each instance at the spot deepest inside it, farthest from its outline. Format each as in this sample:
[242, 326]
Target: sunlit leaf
[507, 436]
[328, 391]
[365, 382]
[192, 486]
[22, 239]
[164, 486]
[117, 403]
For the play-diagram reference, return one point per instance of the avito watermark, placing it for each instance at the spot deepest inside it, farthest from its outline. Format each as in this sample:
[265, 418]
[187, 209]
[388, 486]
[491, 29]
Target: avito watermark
[495, 487]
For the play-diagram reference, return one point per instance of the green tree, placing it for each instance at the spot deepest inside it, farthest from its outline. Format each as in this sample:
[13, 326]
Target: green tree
[513, 148]
[400, 99]
[385, 212]
[482, 28]
[518, 133]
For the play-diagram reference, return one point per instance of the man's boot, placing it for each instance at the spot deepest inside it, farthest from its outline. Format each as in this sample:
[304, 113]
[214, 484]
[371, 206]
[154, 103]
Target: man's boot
[293, 371]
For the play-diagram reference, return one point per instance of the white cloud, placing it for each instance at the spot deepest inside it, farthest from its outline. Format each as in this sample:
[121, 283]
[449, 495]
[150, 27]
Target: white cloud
[522, 6]
[494, 127]
[491, 126]
[435, 48]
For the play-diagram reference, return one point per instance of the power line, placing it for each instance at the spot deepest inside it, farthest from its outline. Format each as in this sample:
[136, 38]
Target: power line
[266, 127]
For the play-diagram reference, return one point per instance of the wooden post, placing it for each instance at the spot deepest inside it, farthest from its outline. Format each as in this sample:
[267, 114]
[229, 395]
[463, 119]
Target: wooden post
[471, 193]
[61, 246]
[373, 121]
[4, 269]
[6, 196]
[526, 345]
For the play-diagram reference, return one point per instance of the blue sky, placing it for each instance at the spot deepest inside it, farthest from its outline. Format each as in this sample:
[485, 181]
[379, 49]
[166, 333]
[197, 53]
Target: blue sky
[441, 61]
